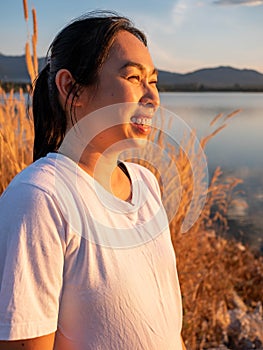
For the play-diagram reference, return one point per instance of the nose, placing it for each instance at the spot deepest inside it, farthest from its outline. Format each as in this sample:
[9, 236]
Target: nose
[150, 96]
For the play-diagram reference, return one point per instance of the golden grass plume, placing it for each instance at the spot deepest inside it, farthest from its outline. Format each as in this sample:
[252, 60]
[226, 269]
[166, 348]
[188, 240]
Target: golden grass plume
[16, 136]
[31, 60]
[25, 7]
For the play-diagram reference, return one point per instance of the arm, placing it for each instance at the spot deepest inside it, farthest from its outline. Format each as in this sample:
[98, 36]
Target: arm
[45, 342]
[31, 268]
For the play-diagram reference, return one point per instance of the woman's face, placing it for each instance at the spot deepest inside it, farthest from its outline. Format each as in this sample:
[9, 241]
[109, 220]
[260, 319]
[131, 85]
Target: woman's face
[128, 75]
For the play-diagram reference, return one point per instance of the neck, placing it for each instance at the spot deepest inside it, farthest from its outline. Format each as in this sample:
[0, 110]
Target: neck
[104, 169]
[101, 165]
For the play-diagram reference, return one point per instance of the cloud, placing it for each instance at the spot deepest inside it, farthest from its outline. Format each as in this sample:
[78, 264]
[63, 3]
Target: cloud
[163, 58]
[239, 2]
[181, 10]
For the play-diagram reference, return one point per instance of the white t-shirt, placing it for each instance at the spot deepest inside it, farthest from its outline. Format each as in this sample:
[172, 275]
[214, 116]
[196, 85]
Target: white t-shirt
[77, 260]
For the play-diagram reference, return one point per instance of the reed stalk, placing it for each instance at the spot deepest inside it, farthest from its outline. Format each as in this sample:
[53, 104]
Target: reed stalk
[25, 7]
[31, 60]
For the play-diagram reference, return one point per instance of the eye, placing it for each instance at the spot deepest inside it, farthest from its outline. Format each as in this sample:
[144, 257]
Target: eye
[134, 78]
[153, 82]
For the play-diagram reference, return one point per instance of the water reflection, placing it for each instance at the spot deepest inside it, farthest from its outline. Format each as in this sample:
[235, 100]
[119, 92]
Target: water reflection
[238, 150]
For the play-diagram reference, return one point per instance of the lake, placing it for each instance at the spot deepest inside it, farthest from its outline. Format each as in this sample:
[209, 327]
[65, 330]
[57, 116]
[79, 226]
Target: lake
[238, 150]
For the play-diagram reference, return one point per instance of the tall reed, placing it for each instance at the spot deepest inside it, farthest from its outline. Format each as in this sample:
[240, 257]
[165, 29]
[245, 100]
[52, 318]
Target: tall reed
[31, 59]
[16, 136]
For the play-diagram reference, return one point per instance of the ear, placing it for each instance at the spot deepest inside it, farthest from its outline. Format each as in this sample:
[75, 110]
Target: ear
[64, 82]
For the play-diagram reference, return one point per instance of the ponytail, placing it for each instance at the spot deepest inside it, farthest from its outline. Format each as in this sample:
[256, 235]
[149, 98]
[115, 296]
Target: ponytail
[49, 117]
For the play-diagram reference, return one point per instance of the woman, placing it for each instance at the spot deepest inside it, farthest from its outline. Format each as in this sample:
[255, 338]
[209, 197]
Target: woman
[86, 260]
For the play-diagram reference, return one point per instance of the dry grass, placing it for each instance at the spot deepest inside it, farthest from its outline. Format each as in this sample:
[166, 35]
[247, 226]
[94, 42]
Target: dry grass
[16, 136]
[31, 60]
[16, 129]
[25, 10]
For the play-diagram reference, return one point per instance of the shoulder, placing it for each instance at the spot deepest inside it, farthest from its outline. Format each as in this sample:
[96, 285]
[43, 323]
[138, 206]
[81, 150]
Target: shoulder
[30, 213]
[30, 196]
[45, 194]
[49, 175]
[39, 174]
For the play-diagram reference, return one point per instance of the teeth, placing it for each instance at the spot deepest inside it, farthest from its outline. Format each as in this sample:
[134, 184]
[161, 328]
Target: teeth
[142, 121]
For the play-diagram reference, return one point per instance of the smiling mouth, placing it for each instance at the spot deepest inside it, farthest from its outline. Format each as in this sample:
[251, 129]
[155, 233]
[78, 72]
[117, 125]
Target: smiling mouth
[141, 120]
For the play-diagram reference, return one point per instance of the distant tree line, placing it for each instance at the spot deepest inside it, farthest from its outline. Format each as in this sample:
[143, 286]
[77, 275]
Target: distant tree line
[204, 88]
[7, 86]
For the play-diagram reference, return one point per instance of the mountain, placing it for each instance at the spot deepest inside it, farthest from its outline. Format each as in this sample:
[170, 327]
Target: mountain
[13, 69]
[213, 78]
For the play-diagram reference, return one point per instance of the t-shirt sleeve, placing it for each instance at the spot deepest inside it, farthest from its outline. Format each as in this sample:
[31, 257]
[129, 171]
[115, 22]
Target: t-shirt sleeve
[32, 246]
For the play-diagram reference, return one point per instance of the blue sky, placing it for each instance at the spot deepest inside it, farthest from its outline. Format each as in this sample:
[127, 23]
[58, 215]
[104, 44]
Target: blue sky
[184, 35]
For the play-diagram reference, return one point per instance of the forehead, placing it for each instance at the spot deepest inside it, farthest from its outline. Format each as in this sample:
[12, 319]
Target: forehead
[128, 48]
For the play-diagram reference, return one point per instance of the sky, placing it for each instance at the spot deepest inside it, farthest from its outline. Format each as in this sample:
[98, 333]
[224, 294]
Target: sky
[183, 35]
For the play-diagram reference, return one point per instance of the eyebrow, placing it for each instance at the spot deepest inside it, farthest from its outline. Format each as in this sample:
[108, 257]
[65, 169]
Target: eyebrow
[138, 66]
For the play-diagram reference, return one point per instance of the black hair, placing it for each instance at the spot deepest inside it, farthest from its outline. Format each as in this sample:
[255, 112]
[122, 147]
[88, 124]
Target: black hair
[81, 47]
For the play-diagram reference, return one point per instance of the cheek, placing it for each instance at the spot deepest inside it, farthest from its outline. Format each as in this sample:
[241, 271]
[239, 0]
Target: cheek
[118, 93]
[125, 93]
